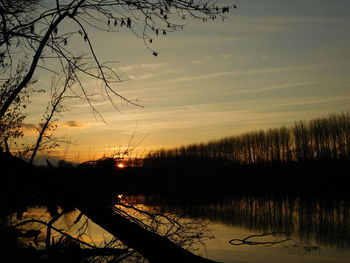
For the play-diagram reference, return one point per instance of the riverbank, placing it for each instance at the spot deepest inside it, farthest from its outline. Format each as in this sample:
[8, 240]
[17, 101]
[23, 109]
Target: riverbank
[314, 179]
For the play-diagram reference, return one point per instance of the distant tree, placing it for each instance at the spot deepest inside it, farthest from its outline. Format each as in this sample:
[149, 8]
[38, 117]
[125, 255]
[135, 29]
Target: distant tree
[319, 139]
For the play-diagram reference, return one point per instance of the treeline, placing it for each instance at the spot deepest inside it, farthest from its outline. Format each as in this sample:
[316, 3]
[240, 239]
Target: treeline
[320, 139]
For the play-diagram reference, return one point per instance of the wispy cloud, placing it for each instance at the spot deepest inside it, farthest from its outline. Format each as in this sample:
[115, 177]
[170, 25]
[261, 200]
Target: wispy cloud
[284, 24]
[314, 101]
[226, 55]
[229, 73]
[276, 87]
[74, 124]
[201, 61]
[151, 66]
[30, 127]
[145, 76]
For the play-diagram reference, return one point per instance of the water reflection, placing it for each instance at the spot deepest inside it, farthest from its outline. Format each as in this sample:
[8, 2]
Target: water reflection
[323, 221]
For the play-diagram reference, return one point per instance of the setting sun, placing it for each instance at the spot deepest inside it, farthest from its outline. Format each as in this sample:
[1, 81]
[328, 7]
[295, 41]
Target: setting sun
[121, 165]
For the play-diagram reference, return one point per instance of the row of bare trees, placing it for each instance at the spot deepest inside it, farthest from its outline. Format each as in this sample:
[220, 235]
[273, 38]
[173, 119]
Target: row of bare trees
[326, 138]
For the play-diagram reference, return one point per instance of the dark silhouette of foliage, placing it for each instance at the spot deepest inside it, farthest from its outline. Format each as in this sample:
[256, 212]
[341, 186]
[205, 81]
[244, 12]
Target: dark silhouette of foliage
[34, 29]
[12, 122]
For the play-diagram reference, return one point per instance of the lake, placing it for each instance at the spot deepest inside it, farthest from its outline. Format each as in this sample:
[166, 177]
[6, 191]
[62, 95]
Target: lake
[297, 229]
[261, 228]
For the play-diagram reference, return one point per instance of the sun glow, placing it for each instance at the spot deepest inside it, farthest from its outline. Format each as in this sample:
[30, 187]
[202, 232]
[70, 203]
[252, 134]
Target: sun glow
[121, 165]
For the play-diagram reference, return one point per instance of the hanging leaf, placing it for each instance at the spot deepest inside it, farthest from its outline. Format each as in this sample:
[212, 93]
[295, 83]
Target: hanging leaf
[227, 9]
[155, 53]
[128, 22]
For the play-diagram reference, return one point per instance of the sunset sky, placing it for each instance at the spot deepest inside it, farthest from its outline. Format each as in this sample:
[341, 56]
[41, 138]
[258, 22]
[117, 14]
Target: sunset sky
[272, 62]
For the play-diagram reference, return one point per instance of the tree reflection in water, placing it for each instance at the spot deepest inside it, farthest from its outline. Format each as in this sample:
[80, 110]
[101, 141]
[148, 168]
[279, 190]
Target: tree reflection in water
[323, 221]
[180, 229]
[56, 237]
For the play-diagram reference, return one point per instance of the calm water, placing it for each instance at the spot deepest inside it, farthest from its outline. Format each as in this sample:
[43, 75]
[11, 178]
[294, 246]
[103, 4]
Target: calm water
[317, 230]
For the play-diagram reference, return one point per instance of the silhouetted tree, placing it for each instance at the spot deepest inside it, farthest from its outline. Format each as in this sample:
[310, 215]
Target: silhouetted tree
[55, 107]
[43, 32]
[11, 123]
[319, 139]
[34, 29]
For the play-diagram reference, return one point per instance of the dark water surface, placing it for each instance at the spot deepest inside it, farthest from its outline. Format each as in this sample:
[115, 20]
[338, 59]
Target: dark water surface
[317, 229]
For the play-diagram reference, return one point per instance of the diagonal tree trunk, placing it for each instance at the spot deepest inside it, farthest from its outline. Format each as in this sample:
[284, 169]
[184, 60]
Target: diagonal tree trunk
[151, 245]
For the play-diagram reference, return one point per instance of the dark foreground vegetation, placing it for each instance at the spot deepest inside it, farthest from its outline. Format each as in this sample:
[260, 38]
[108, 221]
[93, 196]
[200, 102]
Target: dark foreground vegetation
[314, 180]
[93, 190]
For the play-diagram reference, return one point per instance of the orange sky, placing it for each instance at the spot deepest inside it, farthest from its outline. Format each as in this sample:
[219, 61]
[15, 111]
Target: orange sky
[270, 63]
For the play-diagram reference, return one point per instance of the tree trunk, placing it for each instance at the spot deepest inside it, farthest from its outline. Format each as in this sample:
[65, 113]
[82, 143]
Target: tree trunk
[151, 245]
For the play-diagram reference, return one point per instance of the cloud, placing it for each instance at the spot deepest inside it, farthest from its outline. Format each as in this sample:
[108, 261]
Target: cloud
[201, 61]
[265, 57]
[152, 66]
[126, 68]
[283, 24]
[276, 87]
[145, 76]
[226, 55]
[231, 72]
[315, 101]
[191, 107]
[74, 124]
[30, 127]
